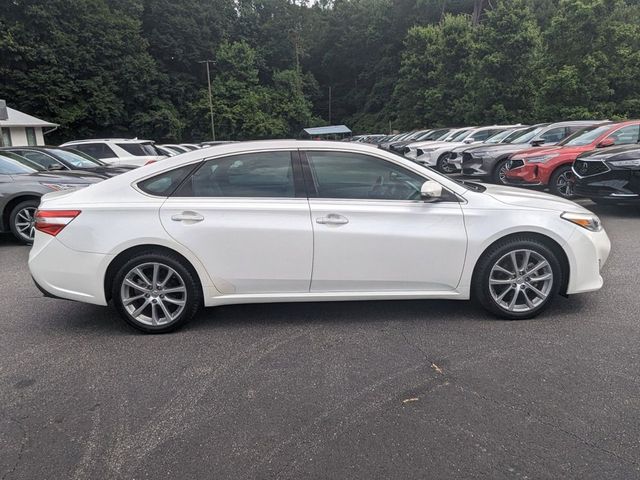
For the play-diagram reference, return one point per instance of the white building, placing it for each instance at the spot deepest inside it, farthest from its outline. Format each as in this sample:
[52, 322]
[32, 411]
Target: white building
[20, 129]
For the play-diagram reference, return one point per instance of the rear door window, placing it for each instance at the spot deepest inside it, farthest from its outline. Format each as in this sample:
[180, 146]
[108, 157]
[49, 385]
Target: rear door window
[264, 174]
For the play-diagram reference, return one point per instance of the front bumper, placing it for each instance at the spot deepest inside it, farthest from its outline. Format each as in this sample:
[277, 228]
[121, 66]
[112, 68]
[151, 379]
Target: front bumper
[82, 278]
[476, 166]
[615, 185]
[587, 254]
[527, 174]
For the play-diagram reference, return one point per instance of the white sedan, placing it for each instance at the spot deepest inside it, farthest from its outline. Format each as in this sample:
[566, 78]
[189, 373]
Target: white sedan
[293, 220]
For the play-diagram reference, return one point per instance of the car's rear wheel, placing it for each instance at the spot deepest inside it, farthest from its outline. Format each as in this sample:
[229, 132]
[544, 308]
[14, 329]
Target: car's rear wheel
[500, 172]
[517, 278]
[444, 166]
[560, 182]
[22, 221]
[156, 292]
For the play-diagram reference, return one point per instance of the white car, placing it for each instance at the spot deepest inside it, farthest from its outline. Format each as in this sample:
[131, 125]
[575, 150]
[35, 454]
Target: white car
[119, 151]
[289, 221]
[436, 155]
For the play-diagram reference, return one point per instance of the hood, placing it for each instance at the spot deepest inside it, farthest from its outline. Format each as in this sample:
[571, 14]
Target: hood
[521, 197]
[630, 151]
[498, 148]
[537, 151]
[79, 177]
[429, 144]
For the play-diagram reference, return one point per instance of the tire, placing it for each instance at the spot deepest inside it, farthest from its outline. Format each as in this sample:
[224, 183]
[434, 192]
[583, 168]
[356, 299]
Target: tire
[443, 165]
[495, 290]
[559, 182]
[161, 304]
[21, 221]
[497, 176]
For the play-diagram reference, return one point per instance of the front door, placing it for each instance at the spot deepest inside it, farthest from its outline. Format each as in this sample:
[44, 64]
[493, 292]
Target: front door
[372, 232]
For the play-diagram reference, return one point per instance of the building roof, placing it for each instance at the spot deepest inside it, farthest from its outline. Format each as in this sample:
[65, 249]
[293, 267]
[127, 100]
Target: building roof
[329, 130]
[20, 119]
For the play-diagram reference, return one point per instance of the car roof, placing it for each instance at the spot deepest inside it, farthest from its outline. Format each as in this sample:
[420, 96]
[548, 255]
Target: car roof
[119, 140]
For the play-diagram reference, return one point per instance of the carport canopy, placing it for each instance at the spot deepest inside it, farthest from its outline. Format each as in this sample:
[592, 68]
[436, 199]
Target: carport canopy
[328, 130]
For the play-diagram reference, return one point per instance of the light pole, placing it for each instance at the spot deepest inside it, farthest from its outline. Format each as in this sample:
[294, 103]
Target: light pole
[213, 128]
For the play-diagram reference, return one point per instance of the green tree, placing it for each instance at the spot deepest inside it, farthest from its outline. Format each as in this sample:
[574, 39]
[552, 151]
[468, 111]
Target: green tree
[593, 61]
[505, 65]
[79, 63]
[434, 76]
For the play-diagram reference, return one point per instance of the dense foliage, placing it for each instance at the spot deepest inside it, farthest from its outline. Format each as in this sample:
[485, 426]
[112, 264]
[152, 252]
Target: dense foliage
[133, 67]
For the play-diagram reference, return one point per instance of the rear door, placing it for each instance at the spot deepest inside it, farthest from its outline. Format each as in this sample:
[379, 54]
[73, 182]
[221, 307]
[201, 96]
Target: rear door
[247, 218]
[372, 232]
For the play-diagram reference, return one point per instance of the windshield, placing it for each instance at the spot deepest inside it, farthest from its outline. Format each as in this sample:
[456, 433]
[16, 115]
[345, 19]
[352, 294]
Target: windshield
[459, 135]
[498, 137]
[74, 159]
[84, 155]
[525, 135]
[437, 134]
[585, 136]
[15, 165]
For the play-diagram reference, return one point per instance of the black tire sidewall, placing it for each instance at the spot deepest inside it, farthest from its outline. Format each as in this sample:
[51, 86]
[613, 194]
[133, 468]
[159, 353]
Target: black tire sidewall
[14, 214]
[194, 291]
[481, 291]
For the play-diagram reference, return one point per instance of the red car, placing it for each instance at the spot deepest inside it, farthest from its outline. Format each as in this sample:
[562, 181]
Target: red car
[552, 165]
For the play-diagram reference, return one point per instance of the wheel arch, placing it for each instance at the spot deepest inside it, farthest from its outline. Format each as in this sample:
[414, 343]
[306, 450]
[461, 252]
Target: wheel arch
[121, 258]
[541, 237]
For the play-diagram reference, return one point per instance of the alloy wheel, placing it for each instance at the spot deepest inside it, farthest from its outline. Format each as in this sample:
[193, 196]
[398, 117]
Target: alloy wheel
[25, 223]
[502, 174]
[153, 294]
[521, 280]
[563, 184]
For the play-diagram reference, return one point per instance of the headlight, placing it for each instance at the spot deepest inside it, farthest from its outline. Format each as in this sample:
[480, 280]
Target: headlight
[585, 220]
[540, 158]
[626, 163]
[63, 186]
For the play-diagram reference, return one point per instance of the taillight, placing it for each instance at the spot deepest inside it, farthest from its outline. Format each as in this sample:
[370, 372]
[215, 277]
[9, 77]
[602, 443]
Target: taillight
[53, 221]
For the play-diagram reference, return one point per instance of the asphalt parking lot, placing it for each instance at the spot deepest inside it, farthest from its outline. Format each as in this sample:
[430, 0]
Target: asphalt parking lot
[415, 389]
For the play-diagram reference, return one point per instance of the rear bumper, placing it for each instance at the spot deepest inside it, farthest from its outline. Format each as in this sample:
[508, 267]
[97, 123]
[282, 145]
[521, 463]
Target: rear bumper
[81, 278]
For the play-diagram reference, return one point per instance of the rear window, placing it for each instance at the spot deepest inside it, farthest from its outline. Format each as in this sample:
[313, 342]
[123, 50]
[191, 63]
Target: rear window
[165, 183]
[140, 149]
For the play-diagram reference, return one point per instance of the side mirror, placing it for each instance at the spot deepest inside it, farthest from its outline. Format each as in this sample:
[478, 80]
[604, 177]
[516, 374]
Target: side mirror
[468, 140]
[536, 142]
[431, 190]
[55, 166]
[607, 142]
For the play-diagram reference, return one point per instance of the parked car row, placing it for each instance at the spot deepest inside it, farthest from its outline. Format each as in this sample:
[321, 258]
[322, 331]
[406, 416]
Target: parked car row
[27, 173]
[566, 157]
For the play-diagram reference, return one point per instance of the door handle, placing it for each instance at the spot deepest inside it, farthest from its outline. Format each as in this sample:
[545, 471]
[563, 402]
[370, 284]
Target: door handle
[187, 217]
[332, 219]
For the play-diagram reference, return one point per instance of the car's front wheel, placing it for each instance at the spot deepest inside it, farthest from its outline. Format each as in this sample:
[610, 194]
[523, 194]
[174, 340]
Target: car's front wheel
[500, 172]
[443, 165]
[22, 220]
[517, 278]
[156, 292]
[560, 182]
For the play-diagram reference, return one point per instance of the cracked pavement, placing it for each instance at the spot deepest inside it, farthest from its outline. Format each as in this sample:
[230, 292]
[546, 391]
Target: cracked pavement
[414, 389]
